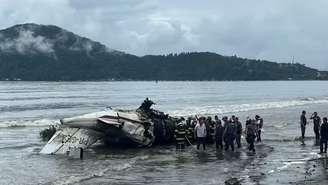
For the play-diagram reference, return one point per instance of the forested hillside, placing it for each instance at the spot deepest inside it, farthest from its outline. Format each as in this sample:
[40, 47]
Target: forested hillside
[49, 53]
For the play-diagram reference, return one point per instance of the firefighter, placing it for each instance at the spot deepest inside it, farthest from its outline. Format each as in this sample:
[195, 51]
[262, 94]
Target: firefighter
[190, 131]
[180, 136]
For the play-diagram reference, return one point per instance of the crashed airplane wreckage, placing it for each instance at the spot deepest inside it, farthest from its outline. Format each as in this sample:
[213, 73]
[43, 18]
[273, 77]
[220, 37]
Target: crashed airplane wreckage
[140, 128]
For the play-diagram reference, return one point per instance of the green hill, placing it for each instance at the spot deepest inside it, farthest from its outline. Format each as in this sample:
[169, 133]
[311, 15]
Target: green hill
[49, 53]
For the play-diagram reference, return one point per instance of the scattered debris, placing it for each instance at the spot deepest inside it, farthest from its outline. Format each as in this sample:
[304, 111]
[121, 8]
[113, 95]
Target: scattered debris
[232, 181]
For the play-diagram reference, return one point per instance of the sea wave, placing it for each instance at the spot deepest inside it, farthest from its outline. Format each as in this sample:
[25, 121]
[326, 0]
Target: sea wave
[28, 123]
[221, 109]
[46, 106]
[41, 98]
[177, 111]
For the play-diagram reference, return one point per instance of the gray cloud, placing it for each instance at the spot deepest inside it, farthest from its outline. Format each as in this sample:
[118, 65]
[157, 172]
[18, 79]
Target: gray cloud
[27, 43]
[276, 30]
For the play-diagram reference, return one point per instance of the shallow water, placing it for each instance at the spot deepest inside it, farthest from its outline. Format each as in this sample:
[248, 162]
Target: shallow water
[27, 107]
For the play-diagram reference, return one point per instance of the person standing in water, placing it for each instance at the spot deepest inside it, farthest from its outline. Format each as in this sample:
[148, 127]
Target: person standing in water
[324, 135]
[218, 132]
[225, 123]
[239, 131]
[303, 122]
[180, 136]
[210, 127]
[200, 132]
[316, 126]
[229, 135]
[250, 134]
[190, 130]
[259, 124]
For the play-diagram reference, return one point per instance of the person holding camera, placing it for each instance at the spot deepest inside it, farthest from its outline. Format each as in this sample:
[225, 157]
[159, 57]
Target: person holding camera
[316, 125]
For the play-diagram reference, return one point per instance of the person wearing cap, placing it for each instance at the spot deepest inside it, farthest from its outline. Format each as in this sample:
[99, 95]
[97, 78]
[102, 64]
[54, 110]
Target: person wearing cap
[303, 122]
[200, 132]
[316, 126]
[259, 125]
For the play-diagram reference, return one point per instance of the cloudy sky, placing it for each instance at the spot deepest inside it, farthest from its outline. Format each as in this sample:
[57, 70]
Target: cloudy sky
[276, 30]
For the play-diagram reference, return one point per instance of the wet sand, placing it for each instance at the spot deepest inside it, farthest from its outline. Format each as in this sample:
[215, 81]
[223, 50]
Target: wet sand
[166, 165]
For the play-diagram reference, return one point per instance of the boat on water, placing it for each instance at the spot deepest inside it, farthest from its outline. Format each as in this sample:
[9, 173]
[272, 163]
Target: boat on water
[143, 127]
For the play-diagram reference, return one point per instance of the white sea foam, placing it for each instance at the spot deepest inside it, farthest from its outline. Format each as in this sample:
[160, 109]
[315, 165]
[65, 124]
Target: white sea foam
[287, 164]
[210, 110]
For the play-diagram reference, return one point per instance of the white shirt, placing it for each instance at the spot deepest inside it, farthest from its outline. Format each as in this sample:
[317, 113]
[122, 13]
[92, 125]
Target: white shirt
[200, 130]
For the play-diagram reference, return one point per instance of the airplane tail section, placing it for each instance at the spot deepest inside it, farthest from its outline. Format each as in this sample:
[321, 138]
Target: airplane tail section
[66, 139]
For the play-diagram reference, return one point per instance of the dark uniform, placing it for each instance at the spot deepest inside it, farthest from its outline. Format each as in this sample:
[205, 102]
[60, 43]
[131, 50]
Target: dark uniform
[146, 105]
[180, 136]
[209, 131]
[324, 135]
[230, 135]
[212, 131]
[225, 123]
[316, 126]
[248, 121]
[251, 134]
[259, 124]
[219, 134]
[239, 132]
[303, 124]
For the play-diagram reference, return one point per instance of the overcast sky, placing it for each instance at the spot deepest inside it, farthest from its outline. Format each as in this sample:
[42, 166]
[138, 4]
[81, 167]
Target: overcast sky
[276, 30]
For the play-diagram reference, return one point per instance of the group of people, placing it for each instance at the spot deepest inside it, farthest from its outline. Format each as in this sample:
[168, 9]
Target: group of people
[228, 131]
[224, 133]
[320, 129]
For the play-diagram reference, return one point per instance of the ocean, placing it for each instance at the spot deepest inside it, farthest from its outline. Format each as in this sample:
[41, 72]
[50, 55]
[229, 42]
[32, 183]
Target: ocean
[26, 108]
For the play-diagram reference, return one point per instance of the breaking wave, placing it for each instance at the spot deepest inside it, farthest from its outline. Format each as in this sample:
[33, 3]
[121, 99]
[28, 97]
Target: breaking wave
[28, 123]
[221, 109]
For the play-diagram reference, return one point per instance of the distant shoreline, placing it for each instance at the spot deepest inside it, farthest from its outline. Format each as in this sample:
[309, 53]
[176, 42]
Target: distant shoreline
[160, 80]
